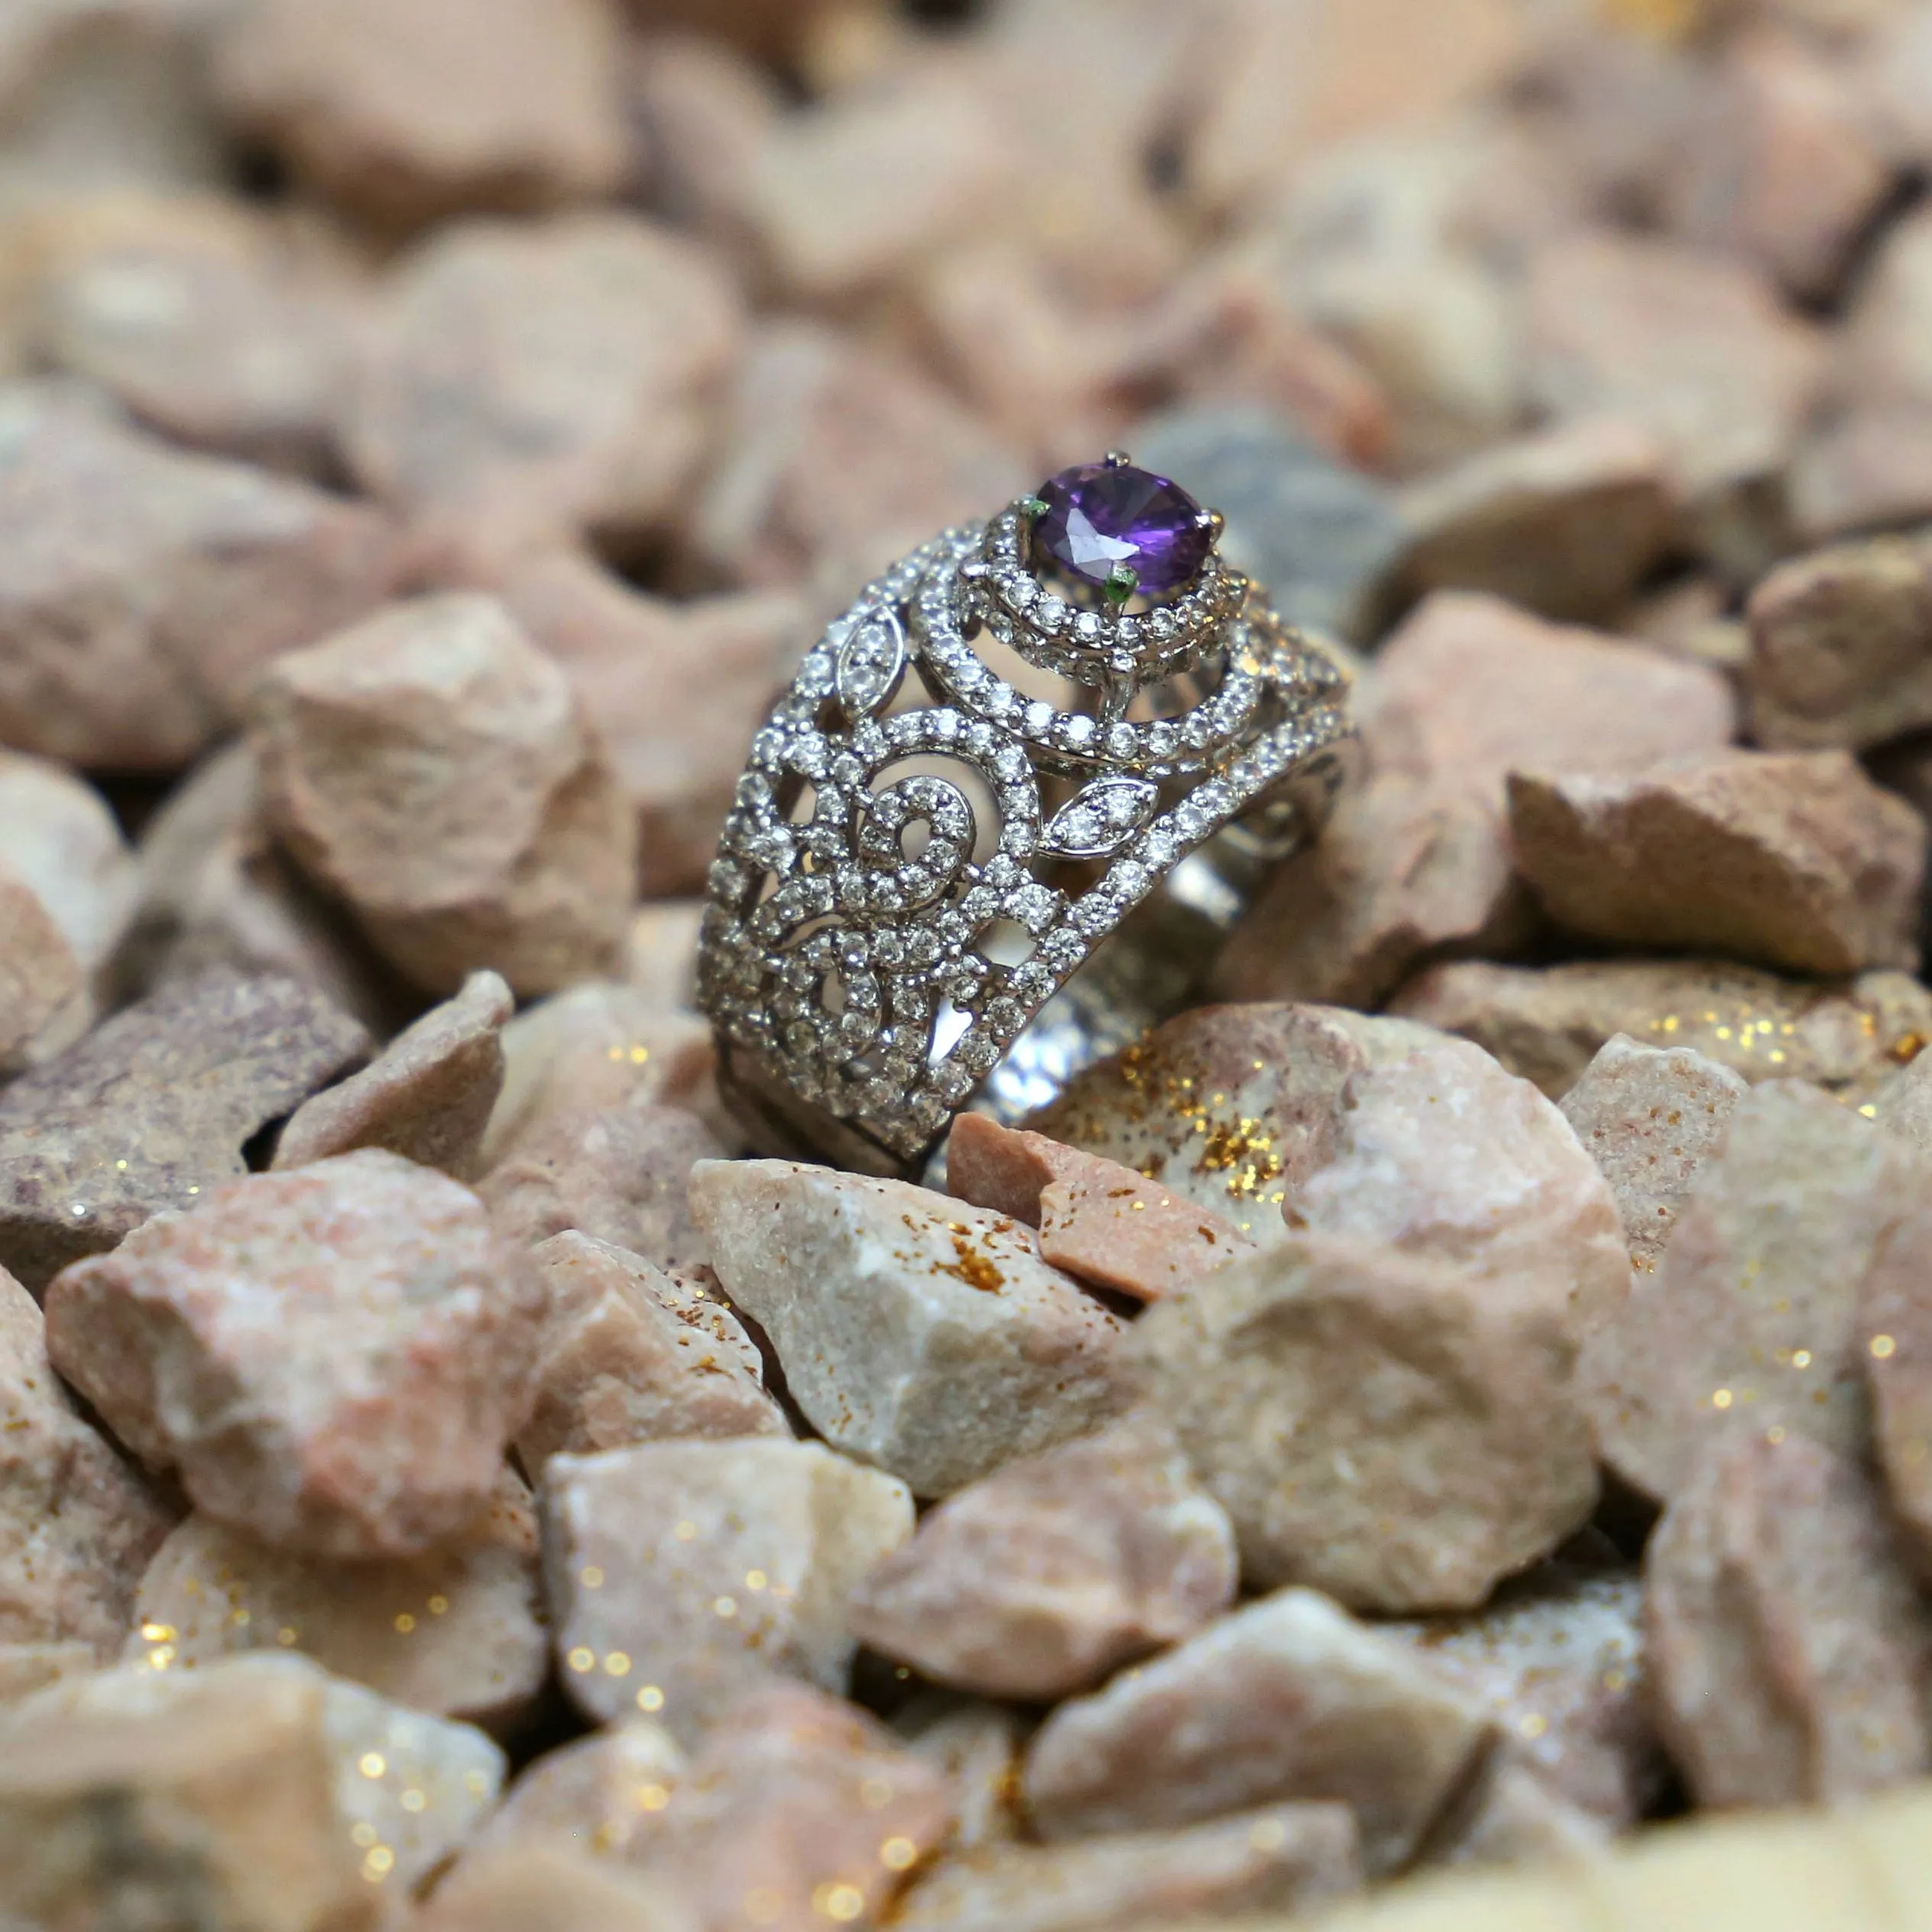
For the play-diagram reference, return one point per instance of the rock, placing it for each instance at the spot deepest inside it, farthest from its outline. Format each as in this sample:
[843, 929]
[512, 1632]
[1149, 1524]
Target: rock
[25, 1668]
[525, 385]
[660, 953]
[153, 1108]
[535, 1886]
[1107, 1224]
[596, 1792]
[917, 1334]
[1287, 1859]
[1038, 1581]
[1229, 1107]
[458, 1633]
[427, 1096]
[1566, 523]
[1893, 1347]
[1903, 1106]
[1392, 1427]
[1444, 1154]
[630, 1356]
[1316, 533]
[1547, 1023]
[1866, 470]
[977, 1745]
[79, 1525]
[145, 588]
[43, 995]
[1841, 647]
[1514, 1818]
[1884, 360]
[1753, 1315]
[1289, 1700]
[681, 1574]
[1652, 1118]
[405, 113]
[768, 29]
[1787, 1645]
[334, 1358]
[433, 769]
[1790, 860]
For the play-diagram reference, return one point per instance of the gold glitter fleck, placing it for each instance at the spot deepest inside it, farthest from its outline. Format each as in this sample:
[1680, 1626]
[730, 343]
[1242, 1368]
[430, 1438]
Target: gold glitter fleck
[372, 1764]
[898, 1854]
[413, 1801]
[686, 1532]
[1801, 1358]
[405, 1624]
[286, 1636]
[726, 1606]
[439, 1606]
[1534, 1725]
[1775, 1433]
[363, 1836]
[875, 1794]
[582, 1659]
[617, 1664]
[842, 1903]
[755, 1579]
[379, 1863]
[652, 1798]
[1883, 1347]
[650, 1698]
[591, 1577]
[1869, 1111]
[476, 1783]
[1267, 1835]
[1721, 1398]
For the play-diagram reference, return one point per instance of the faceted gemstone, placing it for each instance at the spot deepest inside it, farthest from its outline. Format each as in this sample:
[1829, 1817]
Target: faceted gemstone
[1098, 517]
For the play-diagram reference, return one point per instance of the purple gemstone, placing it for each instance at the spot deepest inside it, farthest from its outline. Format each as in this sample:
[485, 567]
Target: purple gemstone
[1099, 517]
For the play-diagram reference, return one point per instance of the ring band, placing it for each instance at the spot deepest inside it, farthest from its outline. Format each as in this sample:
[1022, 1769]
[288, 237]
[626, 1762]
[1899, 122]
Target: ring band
[935, 890]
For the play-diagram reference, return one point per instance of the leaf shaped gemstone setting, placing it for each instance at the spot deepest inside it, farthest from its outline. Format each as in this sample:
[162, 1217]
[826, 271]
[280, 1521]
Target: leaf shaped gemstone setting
[871, 665]
[1098, 821]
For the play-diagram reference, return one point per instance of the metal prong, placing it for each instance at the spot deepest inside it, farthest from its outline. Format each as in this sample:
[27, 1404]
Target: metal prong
[1119, 459]
[1122, 581]
[1033, 507]
[1213, 520]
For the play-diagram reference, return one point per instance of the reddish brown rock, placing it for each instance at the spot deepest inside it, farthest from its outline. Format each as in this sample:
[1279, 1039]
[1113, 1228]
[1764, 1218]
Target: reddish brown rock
[426, 1096]
[1106, 1223]
[404, 110]
[79, 1525]
[152, 1109]
[1039, 1580]
[527, 383]
[1753, 1316]
[682, 1575]
[433, 768]
[334, 1359]
[1788, 1646]
[1893, 1344]
[1652, 1118]
[630, 1356]
[1796, 861]
[145, 588]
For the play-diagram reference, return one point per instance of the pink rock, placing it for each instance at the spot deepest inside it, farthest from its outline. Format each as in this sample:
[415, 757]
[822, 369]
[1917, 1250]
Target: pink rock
[334, 1358]
[79, 1525]
[1097, 1219]
[535, 1885]
[597, 1793]
[1038, 1581]
[1894, 1344]
[1787, 1644]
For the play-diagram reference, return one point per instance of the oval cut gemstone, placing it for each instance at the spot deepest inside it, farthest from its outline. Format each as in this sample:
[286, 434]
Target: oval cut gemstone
[1098, 517]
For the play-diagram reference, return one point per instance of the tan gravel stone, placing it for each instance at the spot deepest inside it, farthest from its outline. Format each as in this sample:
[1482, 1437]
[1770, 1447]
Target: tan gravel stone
[1108, 1224]
[79, 1525]
[1287, 1700]
[1796, 861]
[427, 1096]
[1547, 1023]
[681, 1574]
[1038, 1581]
[527, 383]
[1788, 1646]
[1753, 1315]
[1894, 1344]
[919, 1334]
[334, 1359]
[152, 1109]
[630, 1356]
[1515, 1819]
[405, 111]
[1392, 1427]
[1290, 1858]
[458, 1633]
[25, 1668]
[1652, 1118]
[597, 1792]
[144, 588]
[538, 1886]
[1867, 469]
[435, 770]
[976, 1744]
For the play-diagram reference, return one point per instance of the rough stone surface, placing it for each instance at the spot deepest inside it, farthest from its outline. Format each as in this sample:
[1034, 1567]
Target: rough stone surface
[427, 1096]
[1514, 1817]
[1793, 861]
[1287, 1700]
[1753, 1315]
[1394, 1428]
[629, 1355]
[1038, 1581]
[79, 1524]
[1894, 1342]
[681, 1574]
[435, 770]
[1105, 1223]
[1787, 1644]
[152, 1109]
[1652, 1118]
[976, 1744]
[1547, 1023]
[145, 588]
[44, 994]
[459, 1633]
[537, 1886]
[1288, 1859]
[334, 1359]
[597, 1792]
[919, 1334]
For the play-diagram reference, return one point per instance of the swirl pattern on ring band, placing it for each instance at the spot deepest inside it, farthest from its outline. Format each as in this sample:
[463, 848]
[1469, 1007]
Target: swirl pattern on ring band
[845, 946]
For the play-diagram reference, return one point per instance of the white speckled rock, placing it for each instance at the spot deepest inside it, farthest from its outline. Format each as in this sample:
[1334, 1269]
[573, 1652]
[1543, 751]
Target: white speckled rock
[917, 1334]
[681, 1574]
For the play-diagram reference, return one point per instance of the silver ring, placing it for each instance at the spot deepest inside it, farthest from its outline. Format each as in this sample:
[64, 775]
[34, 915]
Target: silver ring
[1003, 817]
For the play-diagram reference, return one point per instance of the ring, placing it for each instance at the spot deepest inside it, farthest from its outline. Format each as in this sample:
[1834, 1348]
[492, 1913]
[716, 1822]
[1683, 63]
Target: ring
[1001, 820]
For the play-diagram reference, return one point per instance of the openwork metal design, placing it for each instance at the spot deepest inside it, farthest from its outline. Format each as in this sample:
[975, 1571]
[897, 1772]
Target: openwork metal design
[920, 855]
